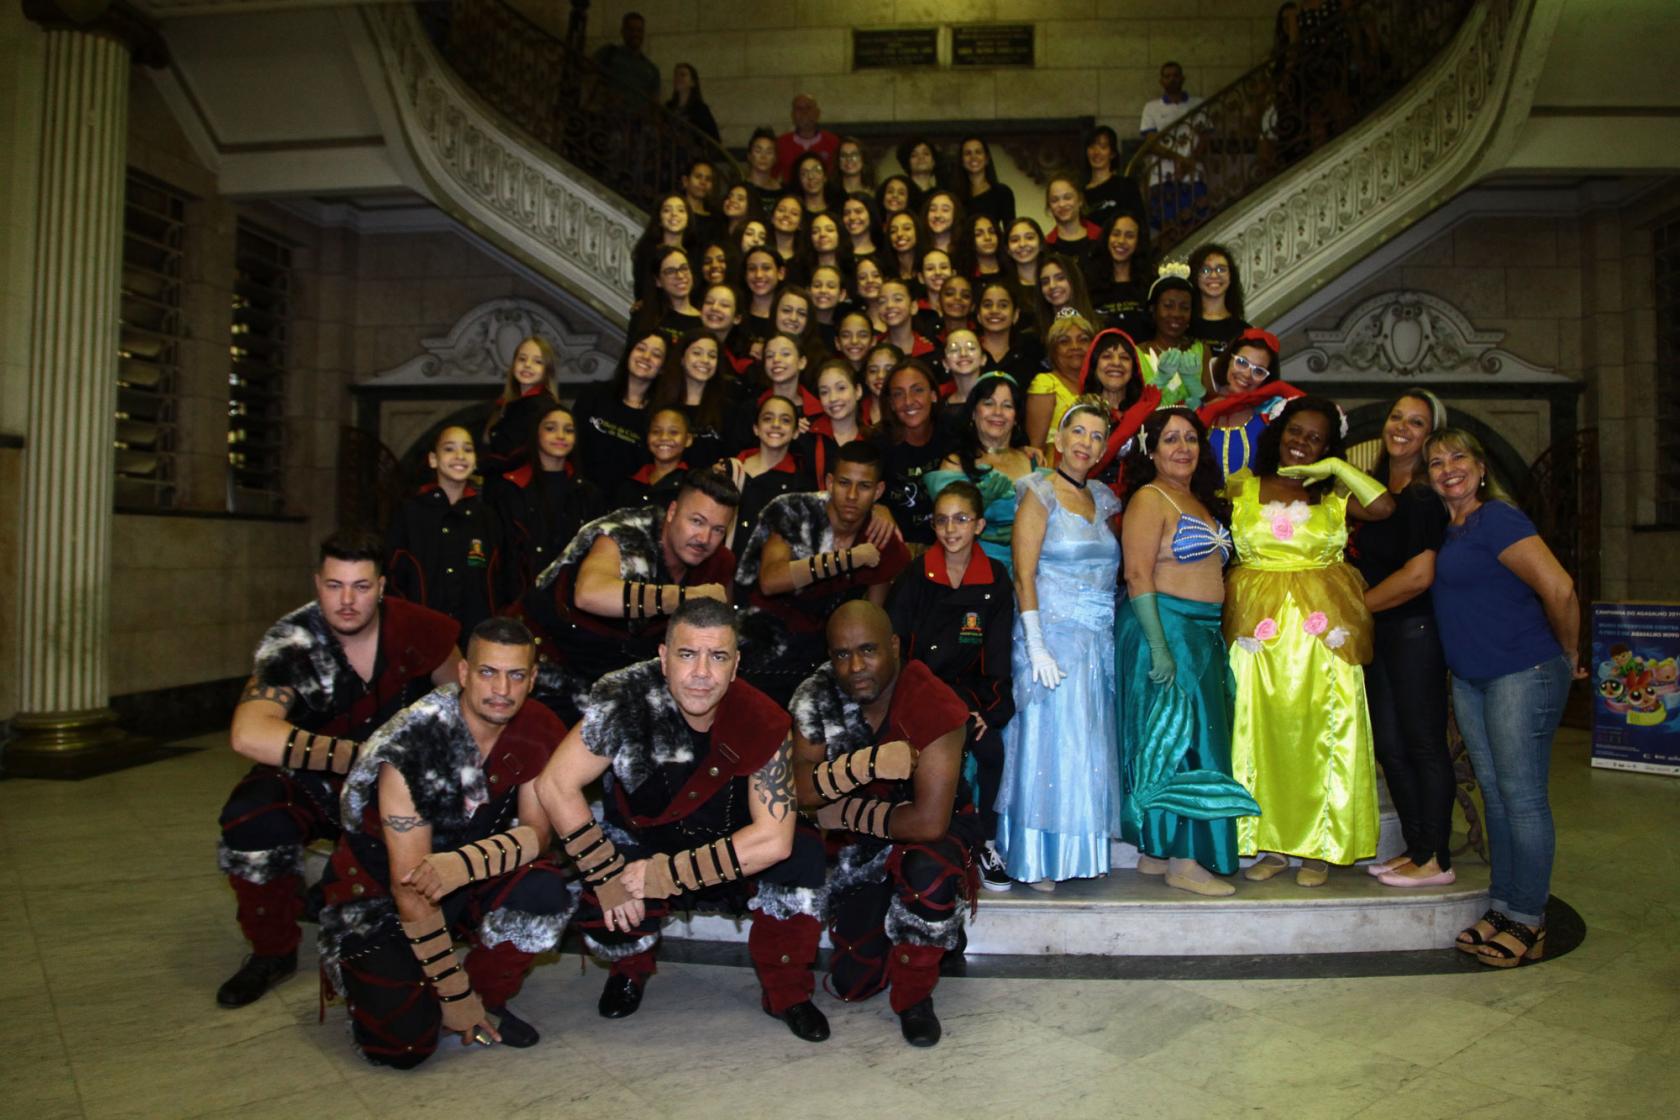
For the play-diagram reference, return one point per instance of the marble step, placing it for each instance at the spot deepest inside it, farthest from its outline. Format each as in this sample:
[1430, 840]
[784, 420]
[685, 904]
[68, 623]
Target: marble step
[1128, 914]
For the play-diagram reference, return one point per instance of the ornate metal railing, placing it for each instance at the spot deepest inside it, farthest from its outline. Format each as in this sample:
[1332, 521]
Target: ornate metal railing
[1321, 80]
[549, 88]
[1563, 497]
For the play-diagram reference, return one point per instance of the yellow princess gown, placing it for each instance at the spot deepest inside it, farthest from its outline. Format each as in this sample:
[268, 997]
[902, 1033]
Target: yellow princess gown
[1297, 633]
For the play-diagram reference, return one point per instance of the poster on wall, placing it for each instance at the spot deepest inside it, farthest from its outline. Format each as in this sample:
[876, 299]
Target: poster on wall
[1635, 675]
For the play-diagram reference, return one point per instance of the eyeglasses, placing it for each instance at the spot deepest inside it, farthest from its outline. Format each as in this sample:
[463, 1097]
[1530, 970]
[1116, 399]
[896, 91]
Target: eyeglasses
[960, 520]
[1247, 366]
[1216, 270]
[675, 270]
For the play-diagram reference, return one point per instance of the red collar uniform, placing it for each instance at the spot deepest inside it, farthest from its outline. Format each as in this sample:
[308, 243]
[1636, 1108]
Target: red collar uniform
[448, 556]
[540, 511]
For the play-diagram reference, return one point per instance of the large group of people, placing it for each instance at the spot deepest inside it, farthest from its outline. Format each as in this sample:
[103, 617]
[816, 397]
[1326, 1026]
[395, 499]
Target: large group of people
[914, 548]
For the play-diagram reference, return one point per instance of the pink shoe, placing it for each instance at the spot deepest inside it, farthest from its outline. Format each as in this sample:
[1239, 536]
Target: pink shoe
[1439, 879]
[1376, 870]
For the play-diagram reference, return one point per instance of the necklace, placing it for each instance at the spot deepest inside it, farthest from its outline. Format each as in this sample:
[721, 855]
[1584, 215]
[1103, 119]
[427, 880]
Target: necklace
[1071, 481]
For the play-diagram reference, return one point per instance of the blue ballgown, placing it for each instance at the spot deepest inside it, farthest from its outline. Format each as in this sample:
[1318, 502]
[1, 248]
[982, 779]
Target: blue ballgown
[1059, 804]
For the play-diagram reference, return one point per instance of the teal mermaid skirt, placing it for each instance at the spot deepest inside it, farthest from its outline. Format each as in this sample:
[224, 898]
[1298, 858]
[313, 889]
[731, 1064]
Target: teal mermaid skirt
[1175, 741]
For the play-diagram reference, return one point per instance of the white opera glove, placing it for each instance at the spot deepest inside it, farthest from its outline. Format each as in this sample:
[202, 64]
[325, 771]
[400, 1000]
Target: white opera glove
[1044, 668]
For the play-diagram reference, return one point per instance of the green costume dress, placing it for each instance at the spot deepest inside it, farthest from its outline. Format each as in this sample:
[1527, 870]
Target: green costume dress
[1298, 633]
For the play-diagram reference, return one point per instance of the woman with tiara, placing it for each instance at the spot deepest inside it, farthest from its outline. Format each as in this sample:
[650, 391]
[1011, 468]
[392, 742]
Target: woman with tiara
[1059, 805]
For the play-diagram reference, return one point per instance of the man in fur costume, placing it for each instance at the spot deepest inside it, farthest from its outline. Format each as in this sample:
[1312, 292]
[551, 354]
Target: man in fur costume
[698, 815]
[444, 838]
[604, 602]
[325, 677]
[878, 748]
[808, 554]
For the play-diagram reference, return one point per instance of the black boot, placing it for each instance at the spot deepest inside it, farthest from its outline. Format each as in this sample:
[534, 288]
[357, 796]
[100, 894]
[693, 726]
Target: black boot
[256, 976]
[919, 1024]
[805, 1020]
[515, 1031]
[620, 998]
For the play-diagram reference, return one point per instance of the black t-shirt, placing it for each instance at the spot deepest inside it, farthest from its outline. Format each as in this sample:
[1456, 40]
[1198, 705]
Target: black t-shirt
[997, 203]
[1381, 548]
[1216, 334]
[1116, 193]
[614, 437]
[1123, 304]
[905, 495]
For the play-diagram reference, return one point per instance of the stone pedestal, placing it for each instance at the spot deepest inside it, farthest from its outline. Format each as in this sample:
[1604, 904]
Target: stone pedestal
[64, 574]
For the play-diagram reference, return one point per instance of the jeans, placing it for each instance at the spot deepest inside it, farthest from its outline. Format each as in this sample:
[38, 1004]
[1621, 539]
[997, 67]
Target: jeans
[1508, 723]
[1406, 687]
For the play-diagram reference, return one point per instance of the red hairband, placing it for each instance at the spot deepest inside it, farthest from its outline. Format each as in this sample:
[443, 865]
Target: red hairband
[1255, 334]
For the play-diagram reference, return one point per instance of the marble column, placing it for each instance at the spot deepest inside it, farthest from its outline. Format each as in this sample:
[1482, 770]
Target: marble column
[63, 626]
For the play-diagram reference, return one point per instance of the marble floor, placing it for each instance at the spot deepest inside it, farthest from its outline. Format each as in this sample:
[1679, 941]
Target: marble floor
[117, 929]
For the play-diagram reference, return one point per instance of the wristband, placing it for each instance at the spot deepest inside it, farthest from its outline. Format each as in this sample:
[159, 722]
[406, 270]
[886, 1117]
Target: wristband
[836, 778]
[692, 869]
[318, 752]
[868, 816]
[433, 948]
[598, 862]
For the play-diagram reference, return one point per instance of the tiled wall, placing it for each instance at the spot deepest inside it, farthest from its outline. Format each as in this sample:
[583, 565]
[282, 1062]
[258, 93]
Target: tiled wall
[1094, 57]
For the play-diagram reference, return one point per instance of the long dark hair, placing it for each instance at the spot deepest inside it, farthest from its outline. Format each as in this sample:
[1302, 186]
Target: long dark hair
[1205, 482]
[969, 448]
[620, 382]
[1115, 166]
[991, 169]
[671, 389]
[1143, 257]
[1113, 338]
[1268, 451]
[1079, 297]
[1233, 294]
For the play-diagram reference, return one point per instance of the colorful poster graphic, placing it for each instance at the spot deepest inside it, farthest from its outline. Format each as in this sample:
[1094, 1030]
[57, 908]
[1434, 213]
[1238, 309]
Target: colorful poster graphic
[1635, 675]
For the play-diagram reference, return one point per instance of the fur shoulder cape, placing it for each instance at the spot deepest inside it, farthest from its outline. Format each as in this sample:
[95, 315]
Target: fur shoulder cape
[923, 708]
[635, 530]
[799, 519]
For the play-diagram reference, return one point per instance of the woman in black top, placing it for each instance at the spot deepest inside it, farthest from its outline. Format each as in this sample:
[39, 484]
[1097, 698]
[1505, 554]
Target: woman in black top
[762, 272]
[612, 417]
[920, 160]
[1216, 314]
[528, 391]
[1406, 681]
[861, 221]
[693, 382]
[1107, 189]
[671, 227]
[911, 445]
[1007, 348]
[953, 610]
[816, 192]
[985, 195]
[543, 503]
[1119, 281]
[666, 306]
[686, 101]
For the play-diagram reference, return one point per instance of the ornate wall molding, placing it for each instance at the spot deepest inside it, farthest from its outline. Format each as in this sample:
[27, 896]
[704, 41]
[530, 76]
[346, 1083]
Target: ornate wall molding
[478, 349]
[1415, 336]
[1399, 164]
[504, 187]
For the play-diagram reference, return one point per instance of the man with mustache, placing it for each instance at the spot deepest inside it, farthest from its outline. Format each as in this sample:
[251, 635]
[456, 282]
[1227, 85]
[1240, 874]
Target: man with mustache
[325, 676]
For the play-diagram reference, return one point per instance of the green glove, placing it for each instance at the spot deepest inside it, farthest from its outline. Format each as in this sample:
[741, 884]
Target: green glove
[1162, 668]
[1358, 483]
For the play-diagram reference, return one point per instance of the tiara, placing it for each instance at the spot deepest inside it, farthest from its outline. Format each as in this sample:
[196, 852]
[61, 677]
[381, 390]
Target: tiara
[1169, 270]
[1067, 312]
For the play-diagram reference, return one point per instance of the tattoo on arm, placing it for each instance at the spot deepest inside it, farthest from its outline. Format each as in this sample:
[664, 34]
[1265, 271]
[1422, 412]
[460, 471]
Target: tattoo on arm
[278, 694]
[775, 783]
[403, 824]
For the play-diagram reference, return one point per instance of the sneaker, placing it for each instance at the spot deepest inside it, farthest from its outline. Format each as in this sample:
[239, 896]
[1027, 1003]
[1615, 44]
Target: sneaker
[992, 875]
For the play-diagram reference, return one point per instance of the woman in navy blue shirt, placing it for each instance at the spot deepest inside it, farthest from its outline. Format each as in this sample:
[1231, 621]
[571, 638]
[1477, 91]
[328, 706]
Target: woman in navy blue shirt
[1509, 623]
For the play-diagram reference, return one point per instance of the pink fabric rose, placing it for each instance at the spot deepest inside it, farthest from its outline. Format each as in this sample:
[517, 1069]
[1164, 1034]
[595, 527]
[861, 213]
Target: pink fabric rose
[1266, 630]
[1316, 623]
[1283, 528]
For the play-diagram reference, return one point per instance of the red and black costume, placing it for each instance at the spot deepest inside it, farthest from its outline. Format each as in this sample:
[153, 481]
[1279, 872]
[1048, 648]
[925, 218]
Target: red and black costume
[576, 648]
[447, 555]
[641, 490]
[787, 477]
[782, 639]
[894, 908]
[963, 634]
[274, 811]
[509, 918]
[671, 788]
[541, 511]
[507, 445]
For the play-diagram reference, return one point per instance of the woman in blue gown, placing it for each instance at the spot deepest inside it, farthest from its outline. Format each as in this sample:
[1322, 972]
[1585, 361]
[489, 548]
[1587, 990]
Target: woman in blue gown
[1059, 805]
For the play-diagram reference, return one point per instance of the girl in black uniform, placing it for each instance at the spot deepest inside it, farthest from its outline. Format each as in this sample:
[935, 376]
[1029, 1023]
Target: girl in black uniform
[693, 383]
[542, 504]
[953, 610]
[762, 273]
[528, 392]
[1216, 314]
[657, 481]
[985, 194]
[1005, 346]
[770, 469]
[445, 544]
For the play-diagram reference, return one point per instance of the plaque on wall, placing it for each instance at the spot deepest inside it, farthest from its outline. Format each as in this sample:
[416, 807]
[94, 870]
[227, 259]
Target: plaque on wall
[899, 48]
[992, 44]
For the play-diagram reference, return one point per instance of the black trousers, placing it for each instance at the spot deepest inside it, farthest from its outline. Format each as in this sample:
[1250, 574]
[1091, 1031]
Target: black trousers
[1406, 687]
[988, 759]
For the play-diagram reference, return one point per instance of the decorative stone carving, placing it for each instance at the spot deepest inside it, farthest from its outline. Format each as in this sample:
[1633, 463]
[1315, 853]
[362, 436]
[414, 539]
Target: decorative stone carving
[479, 348]
[483, 175]
[1329, 211]
[1414, 335]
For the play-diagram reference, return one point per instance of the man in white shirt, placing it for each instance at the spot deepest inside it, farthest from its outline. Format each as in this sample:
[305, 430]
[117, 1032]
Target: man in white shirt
[1174, 182]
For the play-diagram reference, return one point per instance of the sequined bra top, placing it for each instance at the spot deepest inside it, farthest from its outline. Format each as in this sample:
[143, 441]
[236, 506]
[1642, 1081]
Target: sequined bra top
[1194, 539]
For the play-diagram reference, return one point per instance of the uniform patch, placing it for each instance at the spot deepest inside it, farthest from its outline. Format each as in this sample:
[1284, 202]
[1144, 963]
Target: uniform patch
[475, 554]
[971, 633]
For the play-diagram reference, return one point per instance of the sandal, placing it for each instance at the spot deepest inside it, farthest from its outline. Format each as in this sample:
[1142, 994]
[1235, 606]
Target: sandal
[1472, 938]
[1498, 954]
